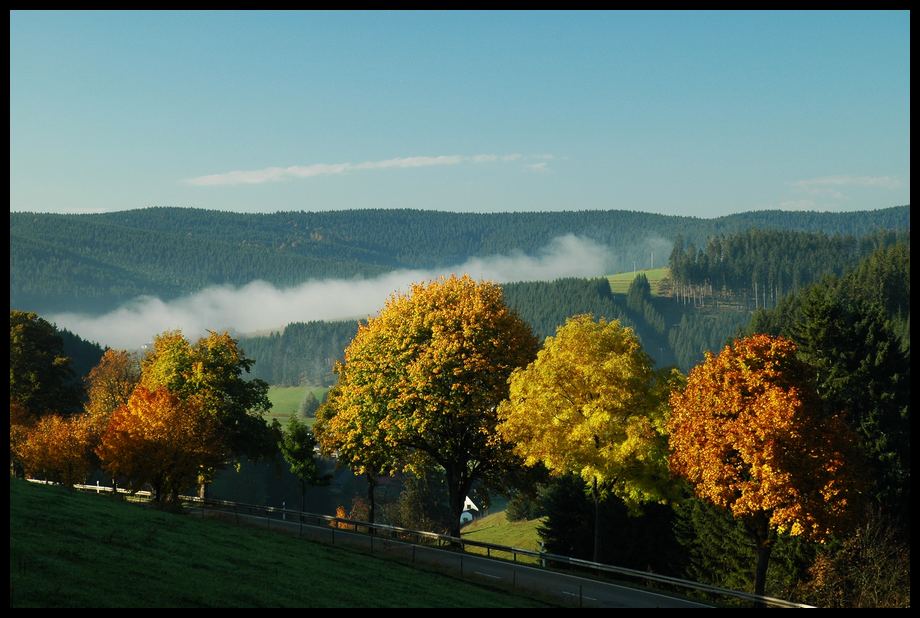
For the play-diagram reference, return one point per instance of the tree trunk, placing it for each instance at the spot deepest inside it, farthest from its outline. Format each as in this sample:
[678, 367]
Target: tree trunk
[457, 489]
[763, 561]
[371, 484]
[759, 530]
[303, 497]
[597, 521]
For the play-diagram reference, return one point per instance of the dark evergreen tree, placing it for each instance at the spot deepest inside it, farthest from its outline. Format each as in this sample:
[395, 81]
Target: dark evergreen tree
[308, 405]
[41, 378]
[643, 542]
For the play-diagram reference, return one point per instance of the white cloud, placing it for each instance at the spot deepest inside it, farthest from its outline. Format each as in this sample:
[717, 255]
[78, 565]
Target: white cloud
[275, 174]
[258, 305]
[540, 168]
[824, 184]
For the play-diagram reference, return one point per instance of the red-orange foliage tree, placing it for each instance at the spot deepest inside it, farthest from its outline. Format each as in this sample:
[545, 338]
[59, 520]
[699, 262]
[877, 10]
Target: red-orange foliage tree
[751, 436]
[161, 440]
[57, 449]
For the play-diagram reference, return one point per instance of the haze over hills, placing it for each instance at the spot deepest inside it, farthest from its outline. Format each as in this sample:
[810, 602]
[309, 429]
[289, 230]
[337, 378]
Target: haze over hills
[95, 263]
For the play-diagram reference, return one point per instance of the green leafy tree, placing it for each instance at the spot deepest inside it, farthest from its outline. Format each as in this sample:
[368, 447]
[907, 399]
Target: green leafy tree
[41, 380]
[298, 446]
[592, 405]
[427, 374]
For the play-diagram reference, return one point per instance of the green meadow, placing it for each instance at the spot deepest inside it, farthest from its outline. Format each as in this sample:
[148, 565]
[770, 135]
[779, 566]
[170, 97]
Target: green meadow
[69, 549]
[619, 283]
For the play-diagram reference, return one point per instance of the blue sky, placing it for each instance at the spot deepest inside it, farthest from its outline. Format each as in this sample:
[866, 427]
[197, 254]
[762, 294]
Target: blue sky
[699, 113]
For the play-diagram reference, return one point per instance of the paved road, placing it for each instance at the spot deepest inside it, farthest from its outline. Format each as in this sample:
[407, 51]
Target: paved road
[559, 588]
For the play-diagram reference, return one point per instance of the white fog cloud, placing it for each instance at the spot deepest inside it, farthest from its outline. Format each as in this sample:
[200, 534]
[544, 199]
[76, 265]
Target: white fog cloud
[259, 306]
[275, 174]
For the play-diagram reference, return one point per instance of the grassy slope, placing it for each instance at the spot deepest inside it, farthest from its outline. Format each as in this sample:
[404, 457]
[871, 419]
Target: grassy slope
[78, 550]
[497, 529]
[619, 283]
[286, 400]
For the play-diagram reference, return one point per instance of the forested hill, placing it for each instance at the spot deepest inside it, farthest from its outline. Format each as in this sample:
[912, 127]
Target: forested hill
[772, 262]
[95, 262]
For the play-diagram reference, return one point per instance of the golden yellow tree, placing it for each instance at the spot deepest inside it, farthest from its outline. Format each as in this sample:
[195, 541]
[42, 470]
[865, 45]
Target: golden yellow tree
[426, 375]
[751, 436]
[351, 432]
[591, 404]
[110, 383]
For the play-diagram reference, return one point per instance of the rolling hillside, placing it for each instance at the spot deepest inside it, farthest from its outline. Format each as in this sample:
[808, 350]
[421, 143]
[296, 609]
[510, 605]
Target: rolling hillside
[96, 262]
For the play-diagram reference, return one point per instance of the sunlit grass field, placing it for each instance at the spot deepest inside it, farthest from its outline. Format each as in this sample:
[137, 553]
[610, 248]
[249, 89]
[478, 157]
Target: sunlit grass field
[286, 400]
[619, 283]
[497, 529]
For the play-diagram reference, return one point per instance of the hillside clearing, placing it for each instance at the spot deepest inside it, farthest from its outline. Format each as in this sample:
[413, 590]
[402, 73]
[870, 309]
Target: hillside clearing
[619, 283]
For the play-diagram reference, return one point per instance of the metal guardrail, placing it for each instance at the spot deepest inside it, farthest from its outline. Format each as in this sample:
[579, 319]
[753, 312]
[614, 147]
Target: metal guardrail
[460, 544]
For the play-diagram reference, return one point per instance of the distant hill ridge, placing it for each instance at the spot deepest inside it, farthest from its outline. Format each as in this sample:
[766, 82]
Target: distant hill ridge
[94, 262]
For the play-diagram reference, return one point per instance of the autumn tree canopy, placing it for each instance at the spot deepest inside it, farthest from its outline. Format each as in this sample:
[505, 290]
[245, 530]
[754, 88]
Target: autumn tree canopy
[427, 374]
[353, 434]
[211, 372]
[591, 404]
[751, 436]
[161, 439]
[57, 449]
[109, 385]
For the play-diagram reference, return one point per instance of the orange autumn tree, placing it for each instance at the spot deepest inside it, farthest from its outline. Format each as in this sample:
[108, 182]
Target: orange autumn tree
[108, 387]
[160, 439]
[751, 436]
[57, 449]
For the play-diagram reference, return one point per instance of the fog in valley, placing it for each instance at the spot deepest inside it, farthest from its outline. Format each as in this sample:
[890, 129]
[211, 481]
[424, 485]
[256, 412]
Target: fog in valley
[260, 306]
